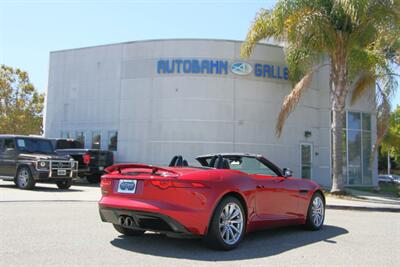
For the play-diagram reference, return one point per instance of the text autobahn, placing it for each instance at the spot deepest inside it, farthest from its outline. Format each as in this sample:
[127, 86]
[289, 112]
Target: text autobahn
[219, 67]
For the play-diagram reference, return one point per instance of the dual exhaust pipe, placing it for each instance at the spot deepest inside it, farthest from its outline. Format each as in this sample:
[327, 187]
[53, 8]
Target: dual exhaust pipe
[126, 221]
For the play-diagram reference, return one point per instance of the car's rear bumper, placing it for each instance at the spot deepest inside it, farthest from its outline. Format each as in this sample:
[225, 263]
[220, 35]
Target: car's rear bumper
[192, 219]
[148, 221]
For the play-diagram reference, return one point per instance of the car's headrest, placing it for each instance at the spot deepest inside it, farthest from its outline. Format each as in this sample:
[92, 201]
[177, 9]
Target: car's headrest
[212, 161]
[178, 161]
[226, 164]
[219, 162]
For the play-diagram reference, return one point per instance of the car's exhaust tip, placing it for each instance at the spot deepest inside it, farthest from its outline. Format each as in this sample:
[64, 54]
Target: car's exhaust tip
[126, 221]
[121, 220]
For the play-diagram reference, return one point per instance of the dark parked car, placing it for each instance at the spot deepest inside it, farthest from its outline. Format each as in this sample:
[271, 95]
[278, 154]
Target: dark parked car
[389, 179]
[92, 162]
[29, 160]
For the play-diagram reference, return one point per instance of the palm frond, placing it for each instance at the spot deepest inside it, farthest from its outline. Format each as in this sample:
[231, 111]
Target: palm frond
[260, 29]
[364, 81]
[382, 124]
[292, 100]
[385, 91]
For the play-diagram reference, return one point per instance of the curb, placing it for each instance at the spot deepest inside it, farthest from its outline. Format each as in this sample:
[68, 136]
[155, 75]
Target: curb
[359, 208]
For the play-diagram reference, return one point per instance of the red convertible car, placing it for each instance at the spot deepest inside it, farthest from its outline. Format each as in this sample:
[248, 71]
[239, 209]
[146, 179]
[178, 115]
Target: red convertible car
[221, 200]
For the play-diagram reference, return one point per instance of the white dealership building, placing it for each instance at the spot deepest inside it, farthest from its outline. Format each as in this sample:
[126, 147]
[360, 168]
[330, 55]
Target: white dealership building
[151, 100]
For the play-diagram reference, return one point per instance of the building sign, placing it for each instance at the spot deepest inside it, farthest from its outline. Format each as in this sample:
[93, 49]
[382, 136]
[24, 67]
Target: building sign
[193, 66]
[221, 67]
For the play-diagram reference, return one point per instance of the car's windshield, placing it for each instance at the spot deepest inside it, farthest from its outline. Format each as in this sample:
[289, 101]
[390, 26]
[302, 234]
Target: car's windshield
[34, 145]
[250, 165]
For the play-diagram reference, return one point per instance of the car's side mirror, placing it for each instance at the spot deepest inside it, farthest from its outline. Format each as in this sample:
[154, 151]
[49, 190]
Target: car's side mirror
[287, 172]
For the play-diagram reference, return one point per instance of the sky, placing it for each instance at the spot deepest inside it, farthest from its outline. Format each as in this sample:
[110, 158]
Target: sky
[30, 29]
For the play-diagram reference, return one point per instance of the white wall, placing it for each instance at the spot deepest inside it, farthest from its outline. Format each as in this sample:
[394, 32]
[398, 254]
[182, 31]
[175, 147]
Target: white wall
[116, 87]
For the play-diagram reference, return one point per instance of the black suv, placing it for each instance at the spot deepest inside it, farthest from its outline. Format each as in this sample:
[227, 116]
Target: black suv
[27, 160]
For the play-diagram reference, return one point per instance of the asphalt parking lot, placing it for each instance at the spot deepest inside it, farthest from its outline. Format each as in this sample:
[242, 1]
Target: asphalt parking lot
[51, 227]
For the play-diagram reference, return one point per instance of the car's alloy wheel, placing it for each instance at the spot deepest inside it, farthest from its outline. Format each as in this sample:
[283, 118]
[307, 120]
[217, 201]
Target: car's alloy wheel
[316, 212]
[24, 178]
[227, 225]
[231, 223]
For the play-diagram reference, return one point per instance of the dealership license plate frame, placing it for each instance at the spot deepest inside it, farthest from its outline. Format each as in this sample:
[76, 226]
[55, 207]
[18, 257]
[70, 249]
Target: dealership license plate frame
[127, 190]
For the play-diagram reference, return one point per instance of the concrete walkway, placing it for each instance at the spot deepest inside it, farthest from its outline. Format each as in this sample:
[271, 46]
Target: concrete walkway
[364, 201]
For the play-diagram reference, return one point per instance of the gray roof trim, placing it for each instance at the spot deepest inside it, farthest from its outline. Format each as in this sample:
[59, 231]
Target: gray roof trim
[162, 40]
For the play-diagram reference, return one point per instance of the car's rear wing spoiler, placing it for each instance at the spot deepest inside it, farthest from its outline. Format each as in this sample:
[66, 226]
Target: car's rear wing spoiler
[155, 169]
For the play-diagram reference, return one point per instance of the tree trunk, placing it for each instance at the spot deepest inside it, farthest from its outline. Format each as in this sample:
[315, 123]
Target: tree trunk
[338, 116]
[338, 100]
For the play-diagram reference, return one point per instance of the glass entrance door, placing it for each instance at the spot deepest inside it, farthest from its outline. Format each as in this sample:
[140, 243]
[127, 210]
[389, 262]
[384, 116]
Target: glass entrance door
[306, 160]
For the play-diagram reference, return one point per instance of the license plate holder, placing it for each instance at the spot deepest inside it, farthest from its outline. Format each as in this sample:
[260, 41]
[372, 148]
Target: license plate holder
[127, 186]
[61, 172]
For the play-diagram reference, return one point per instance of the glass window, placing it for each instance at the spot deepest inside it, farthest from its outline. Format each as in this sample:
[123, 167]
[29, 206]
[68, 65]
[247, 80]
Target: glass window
[354, 175]
[96, 140]
[367, 149]
[80, 137]
[357, 149]
[354, 156]
[354, 120]
[366, 122]
[112, 140]
[250, 165]
[33, 145]
[8, 144]
[354, 143]
[306, 160]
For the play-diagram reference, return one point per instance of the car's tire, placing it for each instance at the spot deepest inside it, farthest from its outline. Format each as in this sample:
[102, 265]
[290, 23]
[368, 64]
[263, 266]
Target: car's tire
[64, 184]
[127, 231]
[227, 226]
[24, 179]
[316, 212]
[93, 179]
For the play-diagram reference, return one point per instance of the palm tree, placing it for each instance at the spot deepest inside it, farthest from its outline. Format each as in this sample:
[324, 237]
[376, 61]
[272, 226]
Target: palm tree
[357, 39]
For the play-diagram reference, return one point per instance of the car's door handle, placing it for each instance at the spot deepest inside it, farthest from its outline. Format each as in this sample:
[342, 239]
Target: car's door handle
[303, 191]
[259, 186]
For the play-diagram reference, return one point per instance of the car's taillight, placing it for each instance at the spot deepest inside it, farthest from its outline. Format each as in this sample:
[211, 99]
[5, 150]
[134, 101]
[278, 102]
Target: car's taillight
[105, 186]
[164, 184]
[86, 159]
